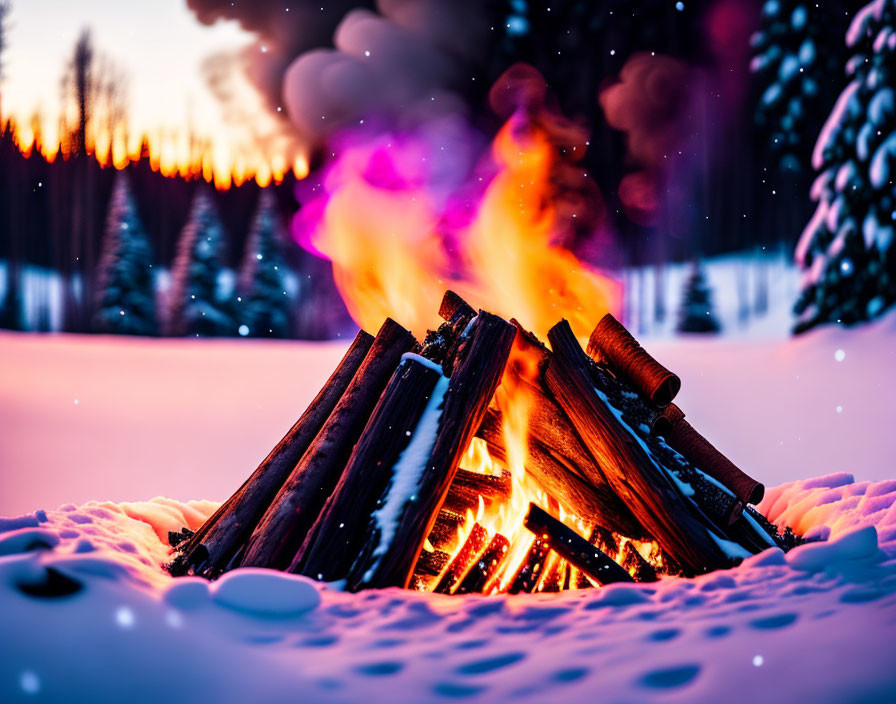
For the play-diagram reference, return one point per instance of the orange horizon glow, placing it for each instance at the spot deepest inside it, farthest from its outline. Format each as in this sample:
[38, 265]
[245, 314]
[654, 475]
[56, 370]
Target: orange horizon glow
[169, 153]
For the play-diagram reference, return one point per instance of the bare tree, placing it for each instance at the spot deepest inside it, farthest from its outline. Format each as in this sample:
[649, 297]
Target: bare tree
[5, 7]
[93, 102]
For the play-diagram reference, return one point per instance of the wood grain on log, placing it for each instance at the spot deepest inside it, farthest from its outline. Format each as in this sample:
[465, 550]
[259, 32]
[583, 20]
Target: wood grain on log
[464, 560]
[683, 438]
[283, 527]
[210, 549]
[480, 577]
[647, 488]
[468, 487]
[614, 344]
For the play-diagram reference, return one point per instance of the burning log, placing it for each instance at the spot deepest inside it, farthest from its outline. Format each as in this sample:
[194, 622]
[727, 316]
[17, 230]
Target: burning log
[463, 561]
[615, 345]
[484, 572]
[418, 491]
[444, 530]
[639, 568]
[210, 549]
[280, 532]
[431, 563]
[529, 572]
[629, 463]
[586, 557]
[340, 530]
[681, 436]
[554, 574]
[468, 487]
[553, 470]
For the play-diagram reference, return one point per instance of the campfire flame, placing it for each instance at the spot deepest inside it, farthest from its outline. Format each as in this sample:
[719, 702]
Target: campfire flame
[169, 153]
[397, 241]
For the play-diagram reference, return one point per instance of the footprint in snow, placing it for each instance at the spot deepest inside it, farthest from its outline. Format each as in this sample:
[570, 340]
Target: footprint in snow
[669, 677]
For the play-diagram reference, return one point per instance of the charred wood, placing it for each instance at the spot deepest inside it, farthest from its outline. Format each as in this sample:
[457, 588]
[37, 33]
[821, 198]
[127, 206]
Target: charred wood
[574, 548]
[478, 366]
[281, 530]
[340, 531]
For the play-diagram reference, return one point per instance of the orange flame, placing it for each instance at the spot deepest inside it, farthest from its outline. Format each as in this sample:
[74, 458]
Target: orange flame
[389, 256]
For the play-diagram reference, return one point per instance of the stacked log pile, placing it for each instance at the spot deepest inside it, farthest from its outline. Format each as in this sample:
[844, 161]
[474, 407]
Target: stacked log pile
[366, 489]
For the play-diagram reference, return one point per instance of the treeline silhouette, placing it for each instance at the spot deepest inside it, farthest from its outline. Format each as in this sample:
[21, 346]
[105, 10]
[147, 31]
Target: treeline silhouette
[53, 216]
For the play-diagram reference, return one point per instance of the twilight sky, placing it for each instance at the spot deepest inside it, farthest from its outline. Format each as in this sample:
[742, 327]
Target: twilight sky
[159, 44]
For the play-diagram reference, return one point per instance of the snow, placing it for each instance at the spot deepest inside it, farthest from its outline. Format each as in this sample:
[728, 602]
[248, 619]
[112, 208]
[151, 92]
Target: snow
[90, 616]
[407, 472]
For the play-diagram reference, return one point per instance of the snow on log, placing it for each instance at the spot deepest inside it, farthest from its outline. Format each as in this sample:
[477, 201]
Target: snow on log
[682, 437]
[283, 527]
[340, 530]
[430, 463]
[210, 549]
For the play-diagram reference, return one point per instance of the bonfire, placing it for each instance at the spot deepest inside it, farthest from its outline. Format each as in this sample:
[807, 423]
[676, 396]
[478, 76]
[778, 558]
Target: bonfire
[479, 460]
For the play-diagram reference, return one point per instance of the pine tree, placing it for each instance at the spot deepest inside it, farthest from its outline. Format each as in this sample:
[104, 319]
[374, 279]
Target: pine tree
[263, 308]
[125, 292]
[846, 250]
[796, 51]
[696, 313]
[196, 306]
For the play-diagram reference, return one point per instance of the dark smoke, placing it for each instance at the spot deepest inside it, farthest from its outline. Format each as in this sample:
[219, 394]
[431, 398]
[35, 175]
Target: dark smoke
[332, 64]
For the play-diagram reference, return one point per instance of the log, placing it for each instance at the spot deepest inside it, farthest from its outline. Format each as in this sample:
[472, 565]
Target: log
[210, 549]
[340, 531]
[554, 574]
[431, 563]
[615, 345]
[656, 497]
[682, 437]
[478, 367]
[529, 572]
[453, 305]
[484, 573]
[283, 527]
[571, 546]
[634, 563]
[553, 470]
[468, 487]
[444, 531]
[464, 560]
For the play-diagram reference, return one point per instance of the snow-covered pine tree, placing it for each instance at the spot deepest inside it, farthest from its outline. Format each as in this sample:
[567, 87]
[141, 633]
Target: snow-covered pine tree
[124, 293]
[846, 250]
[797, 49]
[196, 306]
[263, 308]
[696, 312]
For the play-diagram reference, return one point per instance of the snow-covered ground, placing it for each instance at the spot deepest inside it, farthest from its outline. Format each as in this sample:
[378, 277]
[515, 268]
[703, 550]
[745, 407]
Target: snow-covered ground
[88, 616]
[121, 419]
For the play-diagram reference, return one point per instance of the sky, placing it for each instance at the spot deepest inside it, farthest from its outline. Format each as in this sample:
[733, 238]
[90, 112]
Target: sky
[159, 44]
